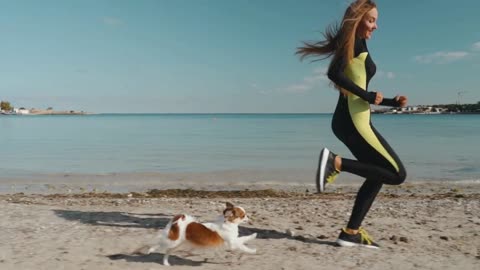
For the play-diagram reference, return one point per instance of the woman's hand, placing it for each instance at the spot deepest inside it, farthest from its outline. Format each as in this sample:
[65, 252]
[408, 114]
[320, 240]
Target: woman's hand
[378, 98]
[402, 100]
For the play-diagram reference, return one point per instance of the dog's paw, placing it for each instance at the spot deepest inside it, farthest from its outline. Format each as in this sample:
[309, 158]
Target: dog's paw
[145, 250]
[254, 235]
[150, 250]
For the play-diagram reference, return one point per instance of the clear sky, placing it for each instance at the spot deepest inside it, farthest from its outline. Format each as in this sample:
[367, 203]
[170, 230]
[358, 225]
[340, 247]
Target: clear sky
[201, 56]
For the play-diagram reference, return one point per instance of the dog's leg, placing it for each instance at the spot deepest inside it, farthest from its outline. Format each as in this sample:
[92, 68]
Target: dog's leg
[247, 238]
[173, 246]
[144, 250]
[241, 246]
[165, 257]
[152, 249]
[246, 249]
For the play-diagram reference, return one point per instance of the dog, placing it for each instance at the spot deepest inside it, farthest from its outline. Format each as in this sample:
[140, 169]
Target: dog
[184, 229]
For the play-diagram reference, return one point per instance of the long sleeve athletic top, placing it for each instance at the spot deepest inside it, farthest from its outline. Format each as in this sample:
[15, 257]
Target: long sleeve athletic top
[337, 75]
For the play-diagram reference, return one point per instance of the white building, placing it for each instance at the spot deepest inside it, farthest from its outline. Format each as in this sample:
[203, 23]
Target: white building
[21, 111]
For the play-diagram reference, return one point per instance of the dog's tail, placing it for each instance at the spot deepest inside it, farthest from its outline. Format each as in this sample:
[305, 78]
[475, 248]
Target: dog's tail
[158, 243]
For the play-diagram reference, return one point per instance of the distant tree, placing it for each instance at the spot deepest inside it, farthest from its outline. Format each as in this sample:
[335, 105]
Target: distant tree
[5, 106]
[49, 108]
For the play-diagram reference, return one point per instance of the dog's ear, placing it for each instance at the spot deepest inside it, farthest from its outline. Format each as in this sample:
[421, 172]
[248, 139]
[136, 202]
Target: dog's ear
[177, 217]
[229, 205]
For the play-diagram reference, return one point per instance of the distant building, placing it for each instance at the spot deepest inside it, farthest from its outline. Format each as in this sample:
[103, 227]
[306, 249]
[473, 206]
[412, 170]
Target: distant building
[411, 108]
[21, 111]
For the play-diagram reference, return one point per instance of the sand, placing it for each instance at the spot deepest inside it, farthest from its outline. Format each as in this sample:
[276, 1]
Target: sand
[429, 225]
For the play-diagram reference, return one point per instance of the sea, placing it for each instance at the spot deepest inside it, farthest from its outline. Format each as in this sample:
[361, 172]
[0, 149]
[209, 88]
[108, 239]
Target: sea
[432, 147]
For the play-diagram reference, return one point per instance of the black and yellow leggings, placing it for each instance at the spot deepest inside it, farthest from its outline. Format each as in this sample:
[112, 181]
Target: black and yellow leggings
[376, 160]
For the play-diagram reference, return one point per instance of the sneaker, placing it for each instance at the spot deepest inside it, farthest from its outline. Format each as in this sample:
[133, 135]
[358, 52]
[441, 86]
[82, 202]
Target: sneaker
[361, 239]
[326, 172]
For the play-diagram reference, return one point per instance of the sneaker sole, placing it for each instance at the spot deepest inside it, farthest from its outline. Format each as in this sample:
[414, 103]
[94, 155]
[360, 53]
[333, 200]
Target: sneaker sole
[321, 168]
[343, 243]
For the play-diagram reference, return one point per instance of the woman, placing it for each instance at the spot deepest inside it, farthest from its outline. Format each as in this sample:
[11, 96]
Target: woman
[351, 69]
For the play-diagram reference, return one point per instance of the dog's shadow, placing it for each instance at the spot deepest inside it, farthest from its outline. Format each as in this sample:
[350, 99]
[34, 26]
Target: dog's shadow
[116, 219]
[155, 258]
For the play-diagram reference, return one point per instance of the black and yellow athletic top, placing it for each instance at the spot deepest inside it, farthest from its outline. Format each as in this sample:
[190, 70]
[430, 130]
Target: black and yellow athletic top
[355, 76]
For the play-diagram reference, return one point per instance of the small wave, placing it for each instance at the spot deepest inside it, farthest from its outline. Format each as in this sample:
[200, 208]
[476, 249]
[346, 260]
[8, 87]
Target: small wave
[467, 169]
[468, 181]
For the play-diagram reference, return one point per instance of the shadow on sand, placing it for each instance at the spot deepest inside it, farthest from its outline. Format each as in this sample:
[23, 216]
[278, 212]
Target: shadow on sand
[273, 234]
[116, 219]
[159, 221]
[155, 258]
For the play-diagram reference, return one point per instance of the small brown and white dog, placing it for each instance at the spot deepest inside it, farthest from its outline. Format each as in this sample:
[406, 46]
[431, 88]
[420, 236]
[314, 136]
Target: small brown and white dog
[184, 229]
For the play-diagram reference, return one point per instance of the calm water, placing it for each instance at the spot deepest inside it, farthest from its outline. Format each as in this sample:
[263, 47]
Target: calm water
[431, 146]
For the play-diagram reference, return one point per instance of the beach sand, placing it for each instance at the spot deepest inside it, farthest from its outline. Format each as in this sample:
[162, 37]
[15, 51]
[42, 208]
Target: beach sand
[424, 225]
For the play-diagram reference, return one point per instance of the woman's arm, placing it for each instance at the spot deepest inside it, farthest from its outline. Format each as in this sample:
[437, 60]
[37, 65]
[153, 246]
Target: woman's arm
[336, 74]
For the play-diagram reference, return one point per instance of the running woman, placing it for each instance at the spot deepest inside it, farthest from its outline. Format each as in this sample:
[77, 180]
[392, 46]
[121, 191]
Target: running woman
[351, 69]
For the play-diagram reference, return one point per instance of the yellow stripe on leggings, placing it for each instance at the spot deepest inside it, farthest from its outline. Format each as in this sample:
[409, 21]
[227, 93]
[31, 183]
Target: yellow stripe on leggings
[360, 109]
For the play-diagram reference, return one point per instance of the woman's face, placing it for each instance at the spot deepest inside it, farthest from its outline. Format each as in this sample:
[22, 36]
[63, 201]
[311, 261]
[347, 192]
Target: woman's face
[368, 24]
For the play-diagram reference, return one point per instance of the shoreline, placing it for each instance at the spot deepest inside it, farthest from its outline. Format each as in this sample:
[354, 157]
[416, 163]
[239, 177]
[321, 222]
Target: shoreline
[301, 179]
[416, 190]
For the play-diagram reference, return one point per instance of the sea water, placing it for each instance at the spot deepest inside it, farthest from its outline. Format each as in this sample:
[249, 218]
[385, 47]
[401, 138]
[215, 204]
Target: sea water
[430, 146]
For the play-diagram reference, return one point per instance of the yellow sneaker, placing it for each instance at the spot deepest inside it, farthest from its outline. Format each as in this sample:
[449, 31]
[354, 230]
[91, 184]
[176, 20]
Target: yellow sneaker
[361, 239]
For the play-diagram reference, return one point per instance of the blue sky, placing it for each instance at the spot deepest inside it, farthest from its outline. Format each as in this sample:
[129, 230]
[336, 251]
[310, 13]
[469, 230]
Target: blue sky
[201, 56]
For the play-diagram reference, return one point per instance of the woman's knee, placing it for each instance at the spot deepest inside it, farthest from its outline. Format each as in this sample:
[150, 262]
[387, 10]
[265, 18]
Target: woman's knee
[400, 178]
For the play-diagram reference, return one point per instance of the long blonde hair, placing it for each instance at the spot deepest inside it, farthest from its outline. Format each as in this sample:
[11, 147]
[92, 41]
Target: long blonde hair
[339, 40]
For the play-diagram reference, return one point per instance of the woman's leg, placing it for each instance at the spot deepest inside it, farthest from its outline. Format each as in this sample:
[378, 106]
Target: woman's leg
[365, 197]
[378, 169]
